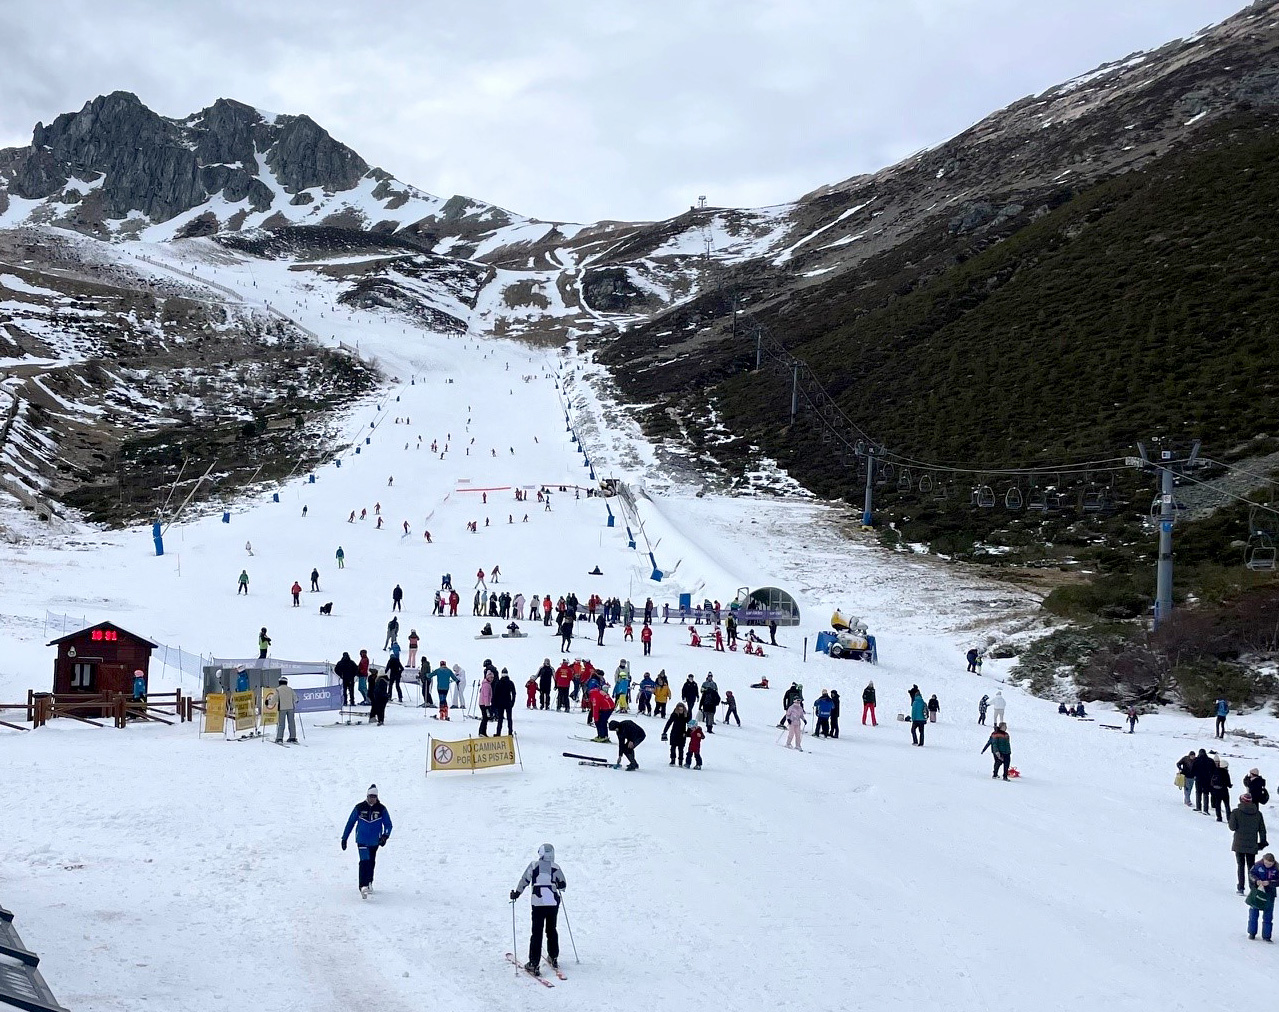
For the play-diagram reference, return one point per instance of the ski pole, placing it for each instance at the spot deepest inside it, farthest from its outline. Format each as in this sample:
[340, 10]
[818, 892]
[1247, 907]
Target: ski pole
[564, 907]
[513, 949]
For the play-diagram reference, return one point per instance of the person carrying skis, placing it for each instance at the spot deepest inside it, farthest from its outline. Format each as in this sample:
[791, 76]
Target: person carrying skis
[296, 591]
[372, 824]
[243, 582]
[868, 704]
[822, 707]
[695, 737]
[547, 881]
[934, 708]
[346, 670]
[1249, 828]
[629, 737]
[689, 693]
[918, 718]
[795, 721]
[676, 731]
[1001, 749]
[981, 709]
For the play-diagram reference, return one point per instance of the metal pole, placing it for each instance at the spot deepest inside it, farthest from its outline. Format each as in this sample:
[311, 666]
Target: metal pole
[564, 907]
[870, 484]
[1163, 574]
[759, 343]
[794, 392]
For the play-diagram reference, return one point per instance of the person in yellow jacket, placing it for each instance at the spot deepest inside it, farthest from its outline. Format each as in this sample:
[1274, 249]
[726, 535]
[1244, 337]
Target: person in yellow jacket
[661, 694]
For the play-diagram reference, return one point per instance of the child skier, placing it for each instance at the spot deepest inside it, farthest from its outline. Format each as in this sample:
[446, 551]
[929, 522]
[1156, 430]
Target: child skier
[530, 689]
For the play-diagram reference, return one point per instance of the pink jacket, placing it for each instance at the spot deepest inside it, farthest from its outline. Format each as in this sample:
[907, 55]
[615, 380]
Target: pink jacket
[486, 690]
[795, 714]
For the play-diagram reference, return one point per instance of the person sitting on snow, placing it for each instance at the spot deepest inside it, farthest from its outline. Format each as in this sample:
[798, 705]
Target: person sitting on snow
[487, 630]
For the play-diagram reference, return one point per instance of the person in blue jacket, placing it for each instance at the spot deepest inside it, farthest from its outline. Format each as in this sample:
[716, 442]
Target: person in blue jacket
[918, 717]
[822, 706]
[444, 677]
[372, 824]
[1264, 879]
[139, 687]
[1223, 708]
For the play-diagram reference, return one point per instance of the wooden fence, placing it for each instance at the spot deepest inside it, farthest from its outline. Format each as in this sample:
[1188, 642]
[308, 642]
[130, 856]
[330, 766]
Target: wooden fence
[96, 707]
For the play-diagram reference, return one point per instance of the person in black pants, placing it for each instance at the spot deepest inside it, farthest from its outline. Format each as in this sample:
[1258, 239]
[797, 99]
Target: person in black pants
[346, 670]
[834, 714]
[1220, 786]
[548, 885]
[1202, 770]
[676, 730]
[379, 695]
[731, 712]
[504, 702]
[545, 676]
[394, 669]
[629, 737]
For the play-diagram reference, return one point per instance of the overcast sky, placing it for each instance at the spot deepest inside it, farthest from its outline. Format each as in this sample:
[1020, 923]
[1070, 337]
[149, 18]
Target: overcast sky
[585, 109]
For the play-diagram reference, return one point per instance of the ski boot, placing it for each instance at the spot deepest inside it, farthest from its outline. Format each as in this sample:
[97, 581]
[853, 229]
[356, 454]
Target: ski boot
[533, 968]
[364, 892]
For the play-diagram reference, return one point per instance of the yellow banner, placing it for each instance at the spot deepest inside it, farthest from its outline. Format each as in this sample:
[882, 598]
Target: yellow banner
[473, 753]
[214, 713]
[243, 711]
[270, 706]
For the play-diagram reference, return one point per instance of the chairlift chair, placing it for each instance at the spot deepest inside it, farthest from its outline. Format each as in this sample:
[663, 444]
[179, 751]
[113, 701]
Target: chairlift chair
[1260, 553]
[1012, 498]
[1038, 499]
[904, 480]
[984, 497]
[926, 484]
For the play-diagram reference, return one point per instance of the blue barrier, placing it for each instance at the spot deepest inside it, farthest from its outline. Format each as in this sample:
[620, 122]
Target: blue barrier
[226, 517]
[310, 479]
[275, 496]
[158, 537]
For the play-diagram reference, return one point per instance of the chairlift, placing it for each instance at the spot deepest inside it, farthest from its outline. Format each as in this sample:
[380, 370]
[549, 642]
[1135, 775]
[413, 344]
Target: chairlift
[984, 497]
[1038, 499]
[904, 480]
[1259, 556]
[943, 492]
[926, 483]
[1013, 499]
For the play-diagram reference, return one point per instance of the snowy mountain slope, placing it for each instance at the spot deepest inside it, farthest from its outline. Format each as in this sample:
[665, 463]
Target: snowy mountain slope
[860, 873]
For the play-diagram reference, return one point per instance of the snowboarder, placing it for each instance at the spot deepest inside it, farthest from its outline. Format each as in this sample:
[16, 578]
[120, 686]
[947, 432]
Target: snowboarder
[243, 587]
[548, 884]
[286, 703]
[919, 718]
[795, 721]
[934, 708]
[868, 704]
[695, 738]
[315, 581]
[1261, 901]
[264, 643]
[822, 707]
[1249, 828]
[997, 704]
[372, 824]
[982, 704]
[629, 737]
[1001, 749]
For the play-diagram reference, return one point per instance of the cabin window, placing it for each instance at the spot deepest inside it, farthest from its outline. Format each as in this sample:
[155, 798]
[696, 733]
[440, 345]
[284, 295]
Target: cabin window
[83, 675]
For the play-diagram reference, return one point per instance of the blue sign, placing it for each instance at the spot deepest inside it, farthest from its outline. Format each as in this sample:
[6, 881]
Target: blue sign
[326, 697]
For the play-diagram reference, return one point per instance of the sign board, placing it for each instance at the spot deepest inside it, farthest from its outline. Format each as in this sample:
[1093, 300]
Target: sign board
[270, 706]
[326, 697]
[472, 754]
[243, 712]
[214, 713]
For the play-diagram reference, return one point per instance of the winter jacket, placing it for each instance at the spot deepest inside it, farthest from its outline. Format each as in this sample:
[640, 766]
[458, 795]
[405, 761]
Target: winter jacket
[381, 691]
[346, 668]
[1265, 879]
[504, 693]
[1185, 766]
[999, 744]
[710, 697]
[287, 699]
[1249, 827]
[998, 701]
[372, 823]
[868, 695]
[823, 705]
[546, 878]
[1203, 770]
[601, 703]
[563, 676]
[486, 691]
[834, 710]
[795, 714]
[628, 730]
[646, 686]
[1221, 782]
[646, 634]
[662, 692]
[918, 708]
[545, 676]
[933, 705]
[1256, 786]
[443, 679]
[676, 727]
[689, 693]
[695, 737]
[790, 695]
[394, 667]
[1223, 708]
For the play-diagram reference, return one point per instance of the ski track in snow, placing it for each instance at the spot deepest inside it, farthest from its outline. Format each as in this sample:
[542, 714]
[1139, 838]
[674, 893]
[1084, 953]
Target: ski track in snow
[155, 868]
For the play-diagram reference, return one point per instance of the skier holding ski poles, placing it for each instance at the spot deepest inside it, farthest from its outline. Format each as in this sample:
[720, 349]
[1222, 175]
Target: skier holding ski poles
[548, 883]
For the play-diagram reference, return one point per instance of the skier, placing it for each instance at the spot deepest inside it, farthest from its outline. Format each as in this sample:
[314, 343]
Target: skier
[934, 708]
[689, 693]
[695, 737]
[981, 709]
[459, 688]
[264, 643]
[243, 587]
[629, 737]
[868, 704]
[346, 670]
[919, 717]
[1264, 877]
[443, 679]
[822, 707]
[645, 698]
[414, 640]
[315, 581]
[296, 591]
[772, 631]
[997, 704]
[397, 599]
[1249, 828]
[1222, 710]
[372, 824]
[503, 701]
[394, 670]
[646, 638]
[286, 704]
[341, 557]
[731, 712]
[548, 884]
[795, 721]
[1001, 749]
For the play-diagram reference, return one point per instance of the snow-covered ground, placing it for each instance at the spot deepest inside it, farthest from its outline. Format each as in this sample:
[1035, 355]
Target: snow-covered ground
[154, 868]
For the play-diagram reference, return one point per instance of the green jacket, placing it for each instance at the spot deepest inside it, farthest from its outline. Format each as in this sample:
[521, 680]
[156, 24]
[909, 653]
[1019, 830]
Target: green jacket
[919, 708]
[998, 743]
[1249, 827]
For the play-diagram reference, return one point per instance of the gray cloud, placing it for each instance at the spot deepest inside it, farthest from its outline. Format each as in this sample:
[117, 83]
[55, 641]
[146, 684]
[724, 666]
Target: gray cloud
[585, 109]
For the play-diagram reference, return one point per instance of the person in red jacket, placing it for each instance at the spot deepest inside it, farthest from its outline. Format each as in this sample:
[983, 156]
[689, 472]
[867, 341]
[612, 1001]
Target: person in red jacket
[646, 637]
[296, 591]
[546, 610]
[453, 602]
[531, 688]
[601, 710]
[563, 680]
[695, 734]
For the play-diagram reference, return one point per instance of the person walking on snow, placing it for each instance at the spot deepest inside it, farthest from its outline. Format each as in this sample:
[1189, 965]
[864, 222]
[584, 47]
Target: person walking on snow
[919, 718]
[695, 737]
[530, 693]
[972, 660]
[1263, 878]
[822, 707]
[868, 704]
[459, 687]
[545, 679]
[997, 704]
[795, 721]
[1255, 784]
[1001, 749]
[243, 587]
[1132, 719]
[1249, 828]
[296, 591]
[601, 624]
[981, 709]
[547, 882]
[414, 640]
[503, 701]
[392, 633]
[1221, 785]
[286, 704]
[709, 703]
[661, 694]
[397, 599]
[689, 693]
[1202, 770]
[934, 708]
[341, 557]
[487, 682]
[372, 824]
[443, 679]
[1185, 767]
[676, 731]
[1222, 711]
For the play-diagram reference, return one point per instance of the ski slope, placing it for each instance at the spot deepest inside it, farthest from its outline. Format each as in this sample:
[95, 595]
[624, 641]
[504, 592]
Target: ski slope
[155, 868]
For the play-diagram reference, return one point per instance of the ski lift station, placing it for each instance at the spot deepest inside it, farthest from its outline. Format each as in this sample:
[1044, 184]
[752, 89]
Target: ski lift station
[765, 604]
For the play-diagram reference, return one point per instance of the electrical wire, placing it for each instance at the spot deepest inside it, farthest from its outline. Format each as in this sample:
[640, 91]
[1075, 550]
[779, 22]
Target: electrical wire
[1240, 470]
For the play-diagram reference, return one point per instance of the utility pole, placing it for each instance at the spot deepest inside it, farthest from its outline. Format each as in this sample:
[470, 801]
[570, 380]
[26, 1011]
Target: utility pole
[794, 391]
[1168, 466]
[759, 344]
[871, 451]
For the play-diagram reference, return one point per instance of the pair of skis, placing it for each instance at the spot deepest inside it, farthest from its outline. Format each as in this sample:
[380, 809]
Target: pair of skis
[512, 958]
